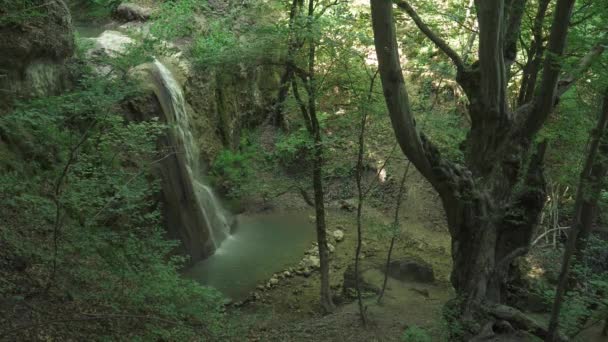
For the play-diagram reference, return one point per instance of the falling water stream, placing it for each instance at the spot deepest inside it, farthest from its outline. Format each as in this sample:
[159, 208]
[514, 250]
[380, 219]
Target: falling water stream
[216, 217]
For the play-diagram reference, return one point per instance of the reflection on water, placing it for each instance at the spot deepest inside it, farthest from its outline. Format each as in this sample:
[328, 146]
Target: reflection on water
[260, 247]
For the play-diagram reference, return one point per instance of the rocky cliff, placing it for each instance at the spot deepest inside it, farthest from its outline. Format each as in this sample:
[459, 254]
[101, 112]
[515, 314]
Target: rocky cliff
[35, 43]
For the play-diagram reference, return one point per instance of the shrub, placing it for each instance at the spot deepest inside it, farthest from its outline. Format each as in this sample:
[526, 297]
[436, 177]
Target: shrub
[416, 334]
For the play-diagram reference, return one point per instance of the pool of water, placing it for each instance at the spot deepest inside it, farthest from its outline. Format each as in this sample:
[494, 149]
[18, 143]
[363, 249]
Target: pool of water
[260, 246]
[93, 29]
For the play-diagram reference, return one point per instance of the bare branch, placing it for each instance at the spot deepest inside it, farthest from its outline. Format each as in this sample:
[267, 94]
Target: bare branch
[440, 43]
[565, 83]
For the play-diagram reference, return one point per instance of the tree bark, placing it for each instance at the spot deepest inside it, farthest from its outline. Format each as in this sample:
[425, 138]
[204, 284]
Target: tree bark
[326, 299]
[493, 201]
[278, 118]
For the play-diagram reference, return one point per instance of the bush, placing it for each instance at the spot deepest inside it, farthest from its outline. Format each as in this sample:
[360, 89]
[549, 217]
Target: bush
[415, 334]
[294, 150]
[231, 171]
[177, 19]
[79, 206]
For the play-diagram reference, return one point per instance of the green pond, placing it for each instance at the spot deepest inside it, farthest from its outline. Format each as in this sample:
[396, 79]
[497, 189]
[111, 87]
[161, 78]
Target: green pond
[261, 246]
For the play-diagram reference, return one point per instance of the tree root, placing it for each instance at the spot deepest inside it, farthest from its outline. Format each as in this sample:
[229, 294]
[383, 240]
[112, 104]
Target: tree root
[519, 321]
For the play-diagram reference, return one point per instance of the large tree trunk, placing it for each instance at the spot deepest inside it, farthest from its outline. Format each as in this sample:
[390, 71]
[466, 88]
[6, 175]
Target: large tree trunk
[493, 200]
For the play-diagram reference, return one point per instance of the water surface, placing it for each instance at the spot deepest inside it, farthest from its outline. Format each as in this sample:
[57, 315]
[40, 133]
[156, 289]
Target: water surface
[260, 246]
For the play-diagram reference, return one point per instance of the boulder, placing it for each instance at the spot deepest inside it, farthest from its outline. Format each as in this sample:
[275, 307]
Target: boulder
[110, 43]
[349, 286]
[132, 12]
[331, 248]
[273, 281]
[338, 235]
[411, 269]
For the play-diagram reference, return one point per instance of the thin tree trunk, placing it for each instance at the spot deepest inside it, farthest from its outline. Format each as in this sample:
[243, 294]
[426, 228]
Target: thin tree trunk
[586, 198]
[361, 195]
[532, 67]
[326, 300]
[396, 231]
[278, 119]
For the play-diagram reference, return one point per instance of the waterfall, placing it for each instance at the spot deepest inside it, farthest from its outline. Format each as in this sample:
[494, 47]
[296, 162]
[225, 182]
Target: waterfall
[177, 116]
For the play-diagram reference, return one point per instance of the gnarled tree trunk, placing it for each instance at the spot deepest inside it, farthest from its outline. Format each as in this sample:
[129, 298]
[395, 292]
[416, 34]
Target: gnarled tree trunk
[494, 199]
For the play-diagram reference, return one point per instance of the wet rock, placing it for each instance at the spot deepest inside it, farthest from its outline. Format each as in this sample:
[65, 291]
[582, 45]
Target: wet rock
[110, 43]
[287, 274]
[304, 272]
[273, 281]
[338, 235]
[411, 269]
[132, 12]
[312, 262]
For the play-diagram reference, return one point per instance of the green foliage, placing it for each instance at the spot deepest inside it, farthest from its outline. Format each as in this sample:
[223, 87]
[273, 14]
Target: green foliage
[585, 302]
[178, 19]
[567, 133]
[415, 334]
[81, 172]
[218, 46]
[231, 170]
[19, 12]
[294, 149]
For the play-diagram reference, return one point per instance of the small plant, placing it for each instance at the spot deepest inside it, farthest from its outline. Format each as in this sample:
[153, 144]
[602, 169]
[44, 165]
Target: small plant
[218, 46]
[415, 334]
[177, 19]
[231, 170]
[294, 149]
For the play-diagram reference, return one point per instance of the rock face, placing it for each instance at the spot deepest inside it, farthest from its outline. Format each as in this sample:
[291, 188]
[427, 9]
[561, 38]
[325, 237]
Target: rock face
[182, 219]
[411, 269]
[33, 53]
[132, 12]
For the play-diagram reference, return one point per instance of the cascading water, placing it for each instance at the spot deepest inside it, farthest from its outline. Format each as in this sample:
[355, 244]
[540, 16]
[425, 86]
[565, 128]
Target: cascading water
[215, 216]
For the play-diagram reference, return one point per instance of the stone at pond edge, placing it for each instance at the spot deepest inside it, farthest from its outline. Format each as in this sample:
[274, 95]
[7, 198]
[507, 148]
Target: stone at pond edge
[338, 235]
[411, 269]
[132, 12]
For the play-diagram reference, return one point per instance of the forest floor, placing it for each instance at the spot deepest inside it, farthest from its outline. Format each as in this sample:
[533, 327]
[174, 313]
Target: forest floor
[291, 310]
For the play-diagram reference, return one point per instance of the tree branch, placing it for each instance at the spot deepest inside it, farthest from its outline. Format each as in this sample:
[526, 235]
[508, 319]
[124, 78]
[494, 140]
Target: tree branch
[516, 12]
[440, 43]
[565, 83]
[544, 101]
[490, 14]
[395, 93]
